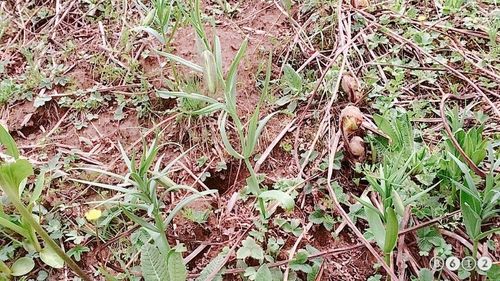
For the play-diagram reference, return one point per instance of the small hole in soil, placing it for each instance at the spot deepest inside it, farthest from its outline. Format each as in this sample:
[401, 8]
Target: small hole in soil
[224, 179]
[218, 181]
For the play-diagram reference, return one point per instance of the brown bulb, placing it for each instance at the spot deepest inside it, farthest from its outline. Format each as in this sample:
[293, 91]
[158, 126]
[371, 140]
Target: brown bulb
[357, 146]
[351, 119]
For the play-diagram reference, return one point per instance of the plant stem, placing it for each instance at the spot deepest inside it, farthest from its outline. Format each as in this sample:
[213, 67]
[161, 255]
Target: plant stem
[262, 207]
[26, 214]
[474, 248]
[4, 268]
[165, 247]
[387, 259]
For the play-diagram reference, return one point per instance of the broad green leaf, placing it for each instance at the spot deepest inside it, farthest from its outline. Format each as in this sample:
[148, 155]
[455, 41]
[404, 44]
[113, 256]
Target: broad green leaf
[176, 268]
[12, 174]
[251, 249]
[376, 226]
[386, 127]
[8, 142]
[472, 221]
[284, 199]
[392, 229]
[466, 195]
[425, 275]
[50, 258]
[253, 185]
[153, 265]
[292, 78]
[263, 274]
[22, 266]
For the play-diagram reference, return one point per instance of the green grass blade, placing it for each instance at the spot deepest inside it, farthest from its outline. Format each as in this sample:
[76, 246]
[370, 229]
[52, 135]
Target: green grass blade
[185, 202]
[8, 142]
[150, 31]
[194, 96]
[181, 61]
[225, 138]
[105, 186]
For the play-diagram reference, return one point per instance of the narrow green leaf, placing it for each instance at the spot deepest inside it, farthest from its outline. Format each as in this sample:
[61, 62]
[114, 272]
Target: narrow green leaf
[105, 186]
[225, 138]
[150, 31]
[39, 185]
[210, 71]
[465, 170]
[194, 96]
[218, 58]
[5, 222]
[231, 75]
[487, 233]
[392, 229]
[185, 202]
[397, 202]
[212, 266]
[140, 221]
[8, 142]
[365, 202]
[181, 61]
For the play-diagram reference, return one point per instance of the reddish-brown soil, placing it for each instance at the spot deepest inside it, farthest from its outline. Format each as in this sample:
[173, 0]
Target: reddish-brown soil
[266, 28]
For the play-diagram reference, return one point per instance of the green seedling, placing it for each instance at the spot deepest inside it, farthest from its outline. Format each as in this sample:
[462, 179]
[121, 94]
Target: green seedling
[159, 261]
[13, 174]
[216, 81]
[162, 20]
[384, 222]
[478, 206]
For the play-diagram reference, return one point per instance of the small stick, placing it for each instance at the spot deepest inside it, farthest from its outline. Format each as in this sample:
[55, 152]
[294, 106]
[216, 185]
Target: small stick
[294, 248]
